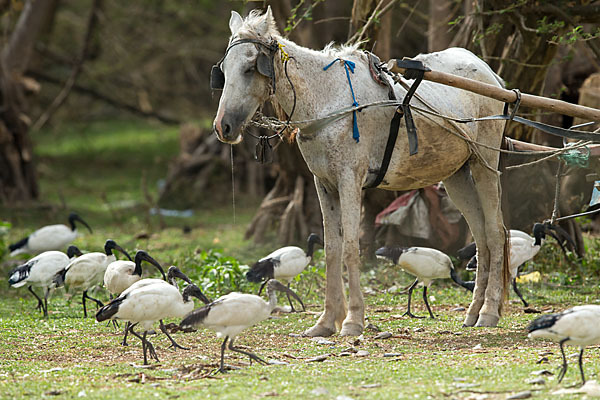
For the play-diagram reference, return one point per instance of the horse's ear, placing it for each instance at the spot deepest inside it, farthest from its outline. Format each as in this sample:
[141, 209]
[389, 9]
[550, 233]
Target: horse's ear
[267, 25]
[235, 22]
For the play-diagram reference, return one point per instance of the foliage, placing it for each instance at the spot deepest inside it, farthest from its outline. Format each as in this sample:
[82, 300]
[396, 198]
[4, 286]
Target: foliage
[295, 19]
[574, 35]
[216, 273]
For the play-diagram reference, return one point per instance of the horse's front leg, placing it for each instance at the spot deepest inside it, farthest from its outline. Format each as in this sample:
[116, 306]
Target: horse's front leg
[335, 302]
[350, 201]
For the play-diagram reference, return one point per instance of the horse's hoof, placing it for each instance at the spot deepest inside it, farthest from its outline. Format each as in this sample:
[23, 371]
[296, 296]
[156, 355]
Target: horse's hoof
[487, 320]
[351, 329]
[319, 330]
[470, 320]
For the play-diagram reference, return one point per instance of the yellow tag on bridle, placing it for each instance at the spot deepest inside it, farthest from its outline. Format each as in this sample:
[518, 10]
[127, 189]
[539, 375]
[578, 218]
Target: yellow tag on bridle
[284, 55]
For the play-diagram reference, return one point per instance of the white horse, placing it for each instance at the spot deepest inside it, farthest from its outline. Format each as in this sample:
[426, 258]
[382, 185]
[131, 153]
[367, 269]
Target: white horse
[342, 166]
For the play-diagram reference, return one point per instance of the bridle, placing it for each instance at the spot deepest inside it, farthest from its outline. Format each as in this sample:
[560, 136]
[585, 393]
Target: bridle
[265, 65]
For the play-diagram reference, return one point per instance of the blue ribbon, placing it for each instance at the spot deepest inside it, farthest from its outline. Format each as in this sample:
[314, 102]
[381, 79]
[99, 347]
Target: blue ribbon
[349, 67]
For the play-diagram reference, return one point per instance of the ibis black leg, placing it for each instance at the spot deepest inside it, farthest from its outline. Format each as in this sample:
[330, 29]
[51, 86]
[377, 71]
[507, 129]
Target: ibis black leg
[518, 292]
[173, 343]
[40, 305]
[222, 364]
[147, 347]
[134, 333]
[292, 309]
[410, 290]
[563, 370]
[83, 297]
[150, 348]
[262, 287]
[426, 302]
[46, 294]
[251, 355]
[86, 296]
[127, 328]
[581, 366]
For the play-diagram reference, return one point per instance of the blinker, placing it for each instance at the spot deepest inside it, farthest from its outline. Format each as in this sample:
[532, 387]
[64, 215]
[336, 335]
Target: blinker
[217, 78]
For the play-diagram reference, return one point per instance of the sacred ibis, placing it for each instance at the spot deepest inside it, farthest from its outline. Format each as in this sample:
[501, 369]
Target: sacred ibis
[145, 302]
[284, 264]
[121, 274]
[425, 264]
[522, 249]
[229, 315]
[578, 326]
[87, 271]
[39, 271]
[73, 251]
[50, 237]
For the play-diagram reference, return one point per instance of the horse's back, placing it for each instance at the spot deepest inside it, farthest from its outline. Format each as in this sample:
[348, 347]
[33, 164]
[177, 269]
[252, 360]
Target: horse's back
[442, 153]
[461, 62]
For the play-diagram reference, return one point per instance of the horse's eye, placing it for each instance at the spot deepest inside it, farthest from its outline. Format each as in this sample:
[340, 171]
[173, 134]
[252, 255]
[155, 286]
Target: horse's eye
[250, 70]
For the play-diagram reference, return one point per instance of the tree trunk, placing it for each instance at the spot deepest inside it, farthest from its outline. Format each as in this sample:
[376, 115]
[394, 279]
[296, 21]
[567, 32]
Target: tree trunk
[438, 33]
[18, 180]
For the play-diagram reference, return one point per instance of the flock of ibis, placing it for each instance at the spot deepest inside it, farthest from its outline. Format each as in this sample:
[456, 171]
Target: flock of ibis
[140, 303]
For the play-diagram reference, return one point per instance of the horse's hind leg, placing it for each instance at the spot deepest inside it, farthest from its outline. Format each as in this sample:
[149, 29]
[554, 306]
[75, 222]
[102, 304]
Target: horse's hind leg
[335, 302]
[350, 201]
[487, 184]
[461, 189]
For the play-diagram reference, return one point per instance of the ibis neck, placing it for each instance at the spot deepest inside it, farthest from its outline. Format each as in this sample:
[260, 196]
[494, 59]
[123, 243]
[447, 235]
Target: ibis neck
[310, 249]
[272, 299]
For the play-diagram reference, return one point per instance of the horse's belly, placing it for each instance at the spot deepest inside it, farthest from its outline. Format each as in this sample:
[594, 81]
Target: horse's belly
[439, 156]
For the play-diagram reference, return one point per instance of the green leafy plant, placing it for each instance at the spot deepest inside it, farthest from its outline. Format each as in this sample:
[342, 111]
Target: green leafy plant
[217, 274]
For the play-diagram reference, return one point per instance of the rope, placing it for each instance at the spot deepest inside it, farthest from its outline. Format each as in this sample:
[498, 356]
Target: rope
[556, 194]
[275, 124]
[349, 67]
[575, 158]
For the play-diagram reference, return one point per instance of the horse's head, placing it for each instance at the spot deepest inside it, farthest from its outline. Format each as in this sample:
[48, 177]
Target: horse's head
[246, 73]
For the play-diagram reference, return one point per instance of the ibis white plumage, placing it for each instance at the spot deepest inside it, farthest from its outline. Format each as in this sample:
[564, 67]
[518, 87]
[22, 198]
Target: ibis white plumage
[284, 264]
[87, 271]
[39, 271]
[151, 300]
[229, 315]
[579, 326]
[426, 265]
[50, 237]
[121, 274]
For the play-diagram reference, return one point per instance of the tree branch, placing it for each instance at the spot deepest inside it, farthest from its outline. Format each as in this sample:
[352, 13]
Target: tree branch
[102, 97]
[16, 54]
[62, 95]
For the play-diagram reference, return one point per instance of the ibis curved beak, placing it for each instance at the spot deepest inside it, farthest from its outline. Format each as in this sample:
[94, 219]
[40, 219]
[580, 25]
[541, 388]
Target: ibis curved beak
[140, 256]
[193, 290]
[74, 217]
[175, 272]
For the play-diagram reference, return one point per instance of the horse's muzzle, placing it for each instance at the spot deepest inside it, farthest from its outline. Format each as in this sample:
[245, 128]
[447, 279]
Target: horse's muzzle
[227, 131]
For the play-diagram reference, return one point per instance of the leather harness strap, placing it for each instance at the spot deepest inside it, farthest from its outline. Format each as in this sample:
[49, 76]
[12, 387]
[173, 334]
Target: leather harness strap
[415, 70]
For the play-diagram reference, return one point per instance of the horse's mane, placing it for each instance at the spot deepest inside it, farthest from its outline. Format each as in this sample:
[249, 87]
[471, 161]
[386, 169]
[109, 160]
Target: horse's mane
[256, 20]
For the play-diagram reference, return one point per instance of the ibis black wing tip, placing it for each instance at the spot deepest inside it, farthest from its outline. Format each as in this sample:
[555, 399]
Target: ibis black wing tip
[543, 322]
[467, 252]
[262, 269]
[195, 318]
[17, 245]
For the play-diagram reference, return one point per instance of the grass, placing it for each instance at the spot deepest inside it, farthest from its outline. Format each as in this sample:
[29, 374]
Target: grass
[97, 171]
